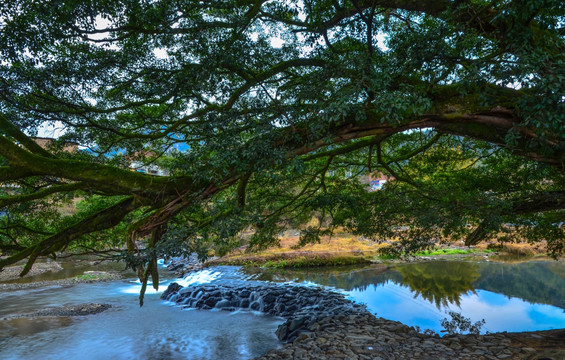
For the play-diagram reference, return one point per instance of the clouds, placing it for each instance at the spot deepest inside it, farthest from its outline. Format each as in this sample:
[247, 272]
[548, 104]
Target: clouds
[51, 130]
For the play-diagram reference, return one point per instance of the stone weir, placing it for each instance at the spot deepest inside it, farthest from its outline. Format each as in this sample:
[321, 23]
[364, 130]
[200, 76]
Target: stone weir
[302, 307]
[322, 324]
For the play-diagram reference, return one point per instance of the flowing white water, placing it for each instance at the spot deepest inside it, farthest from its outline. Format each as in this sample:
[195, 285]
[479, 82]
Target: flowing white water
[158, 330]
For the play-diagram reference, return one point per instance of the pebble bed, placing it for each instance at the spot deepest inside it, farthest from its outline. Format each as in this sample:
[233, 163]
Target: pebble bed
[67, 310]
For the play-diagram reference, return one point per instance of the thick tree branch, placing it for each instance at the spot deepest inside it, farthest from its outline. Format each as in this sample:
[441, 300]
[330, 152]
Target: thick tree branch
[10, 173]
[109, 179]
[536, 203]
[241, 187]
[101, 220]
[540, 202]
[14, 199]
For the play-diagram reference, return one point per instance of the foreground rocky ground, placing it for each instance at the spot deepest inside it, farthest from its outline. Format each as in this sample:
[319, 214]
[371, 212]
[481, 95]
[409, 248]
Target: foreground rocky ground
[363, 336]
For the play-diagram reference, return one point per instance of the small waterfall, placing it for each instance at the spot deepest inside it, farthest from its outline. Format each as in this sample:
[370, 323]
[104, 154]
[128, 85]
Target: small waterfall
[301, 306]
[256, 302]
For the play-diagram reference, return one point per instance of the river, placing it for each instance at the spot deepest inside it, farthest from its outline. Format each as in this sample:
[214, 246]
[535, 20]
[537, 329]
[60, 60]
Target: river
[509, 297]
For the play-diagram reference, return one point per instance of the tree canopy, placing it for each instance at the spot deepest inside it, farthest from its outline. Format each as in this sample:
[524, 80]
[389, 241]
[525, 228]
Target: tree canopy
[265, 114]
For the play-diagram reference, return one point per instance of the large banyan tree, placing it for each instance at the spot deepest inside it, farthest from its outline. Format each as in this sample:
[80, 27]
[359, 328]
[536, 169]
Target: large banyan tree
[265, 114]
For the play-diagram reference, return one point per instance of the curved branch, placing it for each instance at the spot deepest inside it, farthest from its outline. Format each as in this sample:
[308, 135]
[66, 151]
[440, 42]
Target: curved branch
[9, 173]
[540, 202]
[5, 201]
[492, 126]
[110, 179]
[101, 220]
[25, 228]
[419, 150]
[391, 171]
[537, 203]
[345, 149]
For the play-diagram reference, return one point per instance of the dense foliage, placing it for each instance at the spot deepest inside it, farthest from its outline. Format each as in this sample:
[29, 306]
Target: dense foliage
[265, 114]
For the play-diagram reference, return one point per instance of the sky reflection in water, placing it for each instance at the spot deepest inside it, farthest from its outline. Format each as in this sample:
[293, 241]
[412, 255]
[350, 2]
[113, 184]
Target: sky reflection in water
[509, 297]
[501, 313]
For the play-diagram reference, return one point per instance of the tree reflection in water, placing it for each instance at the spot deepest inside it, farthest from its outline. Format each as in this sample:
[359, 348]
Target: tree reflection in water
[438, 282]
[441, 283]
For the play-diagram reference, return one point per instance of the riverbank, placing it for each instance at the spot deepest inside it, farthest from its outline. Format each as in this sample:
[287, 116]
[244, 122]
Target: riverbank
[87, 277]
[11, 273]
[62, 311]
[347, 249]
[335, 251]
[53, 273]
[367, 337]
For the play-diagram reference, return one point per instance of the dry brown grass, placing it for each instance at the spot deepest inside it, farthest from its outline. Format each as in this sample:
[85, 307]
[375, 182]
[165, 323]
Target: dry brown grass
[344, 248]
[339, 248]
[69, 208]
[518, 248]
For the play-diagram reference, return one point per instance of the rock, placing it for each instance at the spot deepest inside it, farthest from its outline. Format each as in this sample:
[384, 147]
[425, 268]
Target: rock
[211, 302]
[64, 311]
[282, 331]
[172, 289]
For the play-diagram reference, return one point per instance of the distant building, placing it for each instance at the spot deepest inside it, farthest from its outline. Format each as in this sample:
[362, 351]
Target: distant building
[375, 180]
[377, 184]
[150, 169]
[155, 170]
[47, 143]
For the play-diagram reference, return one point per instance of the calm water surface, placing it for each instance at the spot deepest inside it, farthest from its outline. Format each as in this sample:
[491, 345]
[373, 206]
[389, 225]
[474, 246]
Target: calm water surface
[509, 297]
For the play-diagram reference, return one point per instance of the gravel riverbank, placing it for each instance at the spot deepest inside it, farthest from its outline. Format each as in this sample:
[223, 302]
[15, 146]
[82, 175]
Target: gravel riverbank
[87, 277]
[363, 336]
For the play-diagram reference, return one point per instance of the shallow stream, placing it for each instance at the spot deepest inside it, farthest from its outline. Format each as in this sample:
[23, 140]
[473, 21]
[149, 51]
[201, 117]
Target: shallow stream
[158, 330]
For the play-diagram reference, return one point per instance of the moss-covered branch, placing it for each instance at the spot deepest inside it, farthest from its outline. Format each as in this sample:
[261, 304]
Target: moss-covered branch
[101, 220]
[15, 199]
[105, 178]
[10, 173]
